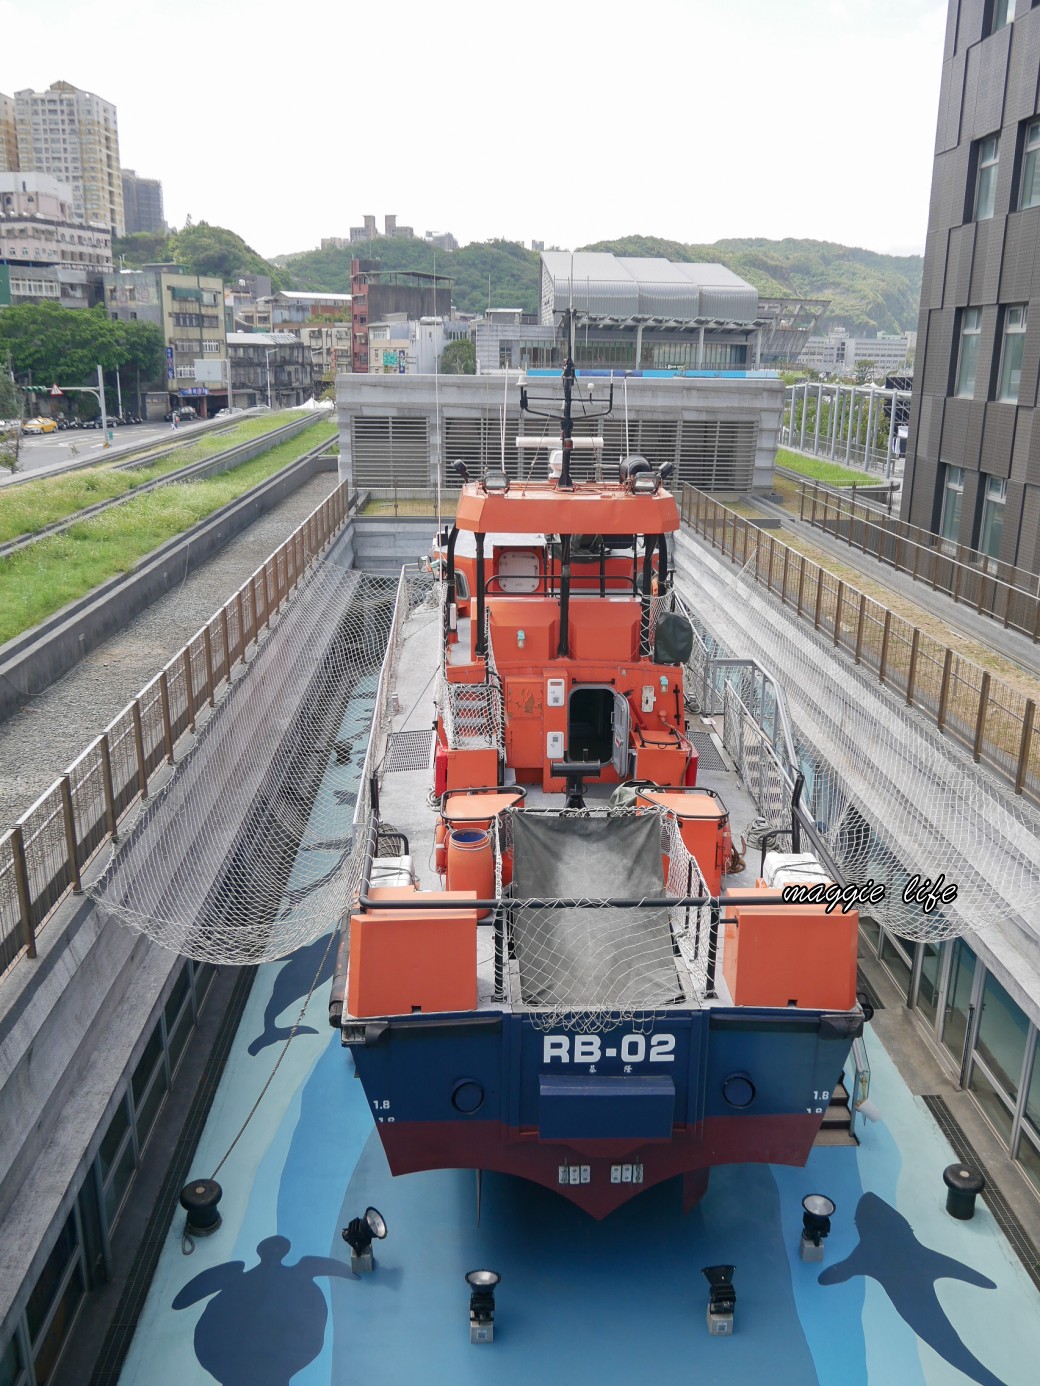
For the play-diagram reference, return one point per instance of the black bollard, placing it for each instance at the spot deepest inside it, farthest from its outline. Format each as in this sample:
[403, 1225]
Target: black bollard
[199, 1199]
[963, 1186]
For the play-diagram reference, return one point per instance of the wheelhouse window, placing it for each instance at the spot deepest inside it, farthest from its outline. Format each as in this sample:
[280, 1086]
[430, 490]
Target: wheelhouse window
[968, 356]
[953, 494]
[986, 177]
[1011, 353]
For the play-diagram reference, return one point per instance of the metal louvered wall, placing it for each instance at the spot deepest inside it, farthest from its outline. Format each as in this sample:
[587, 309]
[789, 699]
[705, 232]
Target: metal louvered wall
[390, 451]
[719, 435]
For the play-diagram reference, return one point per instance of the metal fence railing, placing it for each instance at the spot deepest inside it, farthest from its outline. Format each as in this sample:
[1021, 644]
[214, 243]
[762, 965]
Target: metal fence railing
[44, 854]
[991, 719]
[1008, 594]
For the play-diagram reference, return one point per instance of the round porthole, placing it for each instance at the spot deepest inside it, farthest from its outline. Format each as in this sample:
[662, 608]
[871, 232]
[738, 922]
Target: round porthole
[467, 1096]
[738, 1090]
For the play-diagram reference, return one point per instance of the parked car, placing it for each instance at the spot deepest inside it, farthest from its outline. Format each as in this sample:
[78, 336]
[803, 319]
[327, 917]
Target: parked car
[226, 413]
[185, 413]
[39, 426]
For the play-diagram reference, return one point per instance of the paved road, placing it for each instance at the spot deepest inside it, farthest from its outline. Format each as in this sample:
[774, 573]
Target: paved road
[52, 451]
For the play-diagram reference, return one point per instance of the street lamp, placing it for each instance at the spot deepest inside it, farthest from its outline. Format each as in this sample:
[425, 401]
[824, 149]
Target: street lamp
[268, 354]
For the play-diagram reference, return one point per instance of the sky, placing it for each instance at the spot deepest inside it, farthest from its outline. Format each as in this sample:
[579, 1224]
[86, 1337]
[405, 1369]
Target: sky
[569, 124]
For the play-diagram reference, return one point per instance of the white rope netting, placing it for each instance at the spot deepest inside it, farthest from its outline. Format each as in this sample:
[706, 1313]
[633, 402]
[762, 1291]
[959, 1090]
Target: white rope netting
[255, 845]
[582, 962]
[893, 799]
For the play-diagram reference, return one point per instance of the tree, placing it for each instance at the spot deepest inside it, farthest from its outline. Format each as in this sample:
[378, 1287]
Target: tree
[10, 417]
[865, 370]
[459, 358]
[205, 249]
[48, 344]
[59, 344]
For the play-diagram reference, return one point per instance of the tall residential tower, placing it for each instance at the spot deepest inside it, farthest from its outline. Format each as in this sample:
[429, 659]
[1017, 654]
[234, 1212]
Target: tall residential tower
[74, 136]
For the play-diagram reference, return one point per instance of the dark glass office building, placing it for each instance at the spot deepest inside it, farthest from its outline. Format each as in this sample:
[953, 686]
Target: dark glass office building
[973, 461]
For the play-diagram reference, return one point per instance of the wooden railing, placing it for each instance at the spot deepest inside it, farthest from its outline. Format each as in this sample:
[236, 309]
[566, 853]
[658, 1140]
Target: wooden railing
[44, 854]
[992, 720]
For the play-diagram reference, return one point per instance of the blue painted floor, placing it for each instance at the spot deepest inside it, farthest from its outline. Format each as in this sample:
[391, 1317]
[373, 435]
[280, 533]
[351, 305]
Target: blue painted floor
[616, 1301]
[906, 1296]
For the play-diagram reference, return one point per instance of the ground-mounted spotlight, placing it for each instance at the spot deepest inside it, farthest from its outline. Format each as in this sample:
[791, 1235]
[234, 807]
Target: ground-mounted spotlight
[460, 469]
[665, 470]
[722, 1300]
[816, 1224]
[496, 481]
[482, 1305]
[358, 1235]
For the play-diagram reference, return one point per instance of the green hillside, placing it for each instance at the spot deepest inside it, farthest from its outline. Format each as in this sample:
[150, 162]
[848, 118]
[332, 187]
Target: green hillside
[201, 249]
[869, 292]
[513, 270]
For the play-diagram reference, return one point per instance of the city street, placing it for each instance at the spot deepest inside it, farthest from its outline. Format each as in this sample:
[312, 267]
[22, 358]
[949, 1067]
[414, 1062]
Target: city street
[53, 451]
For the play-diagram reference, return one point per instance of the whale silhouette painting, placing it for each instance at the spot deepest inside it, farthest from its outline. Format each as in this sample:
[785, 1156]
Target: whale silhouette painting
[292, 984]
[264, 1325]
[906, 1270]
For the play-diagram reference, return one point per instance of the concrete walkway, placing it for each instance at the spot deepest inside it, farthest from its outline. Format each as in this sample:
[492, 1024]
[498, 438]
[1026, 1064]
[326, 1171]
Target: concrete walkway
[1009, 644]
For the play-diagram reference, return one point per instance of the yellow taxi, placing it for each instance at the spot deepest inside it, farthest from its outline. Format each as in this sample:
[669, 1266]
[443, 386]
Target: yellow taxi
[39, 426]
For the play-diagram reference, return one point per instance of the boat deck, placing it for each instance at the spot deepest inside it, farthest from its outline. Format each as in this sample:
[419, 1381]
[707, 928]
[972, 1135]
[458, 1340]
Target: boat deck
[406, 786]
[905, 1294]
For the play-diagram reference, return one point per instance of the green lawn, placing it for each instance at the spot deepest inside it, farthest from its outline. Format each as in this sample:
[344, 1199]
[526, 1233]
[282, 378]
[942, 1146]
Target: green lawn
[28, 508]
[816, 469]
[42, 578]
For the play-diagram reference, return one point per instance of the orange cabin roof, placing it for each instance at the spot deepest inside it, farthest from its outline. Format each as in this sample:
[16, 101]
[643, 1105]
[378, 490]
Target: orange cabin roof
[538, 507]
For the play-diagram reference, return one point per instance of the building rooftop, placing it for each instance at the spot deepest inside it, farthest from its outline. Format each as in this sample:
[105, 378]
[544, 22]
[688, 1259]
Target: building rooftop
[623, 286]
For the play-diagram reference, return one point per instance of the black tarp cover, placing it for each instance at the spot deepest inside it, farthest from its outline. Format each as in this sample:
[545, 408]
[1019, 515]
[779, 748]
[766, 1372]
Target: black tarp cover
[591, 957]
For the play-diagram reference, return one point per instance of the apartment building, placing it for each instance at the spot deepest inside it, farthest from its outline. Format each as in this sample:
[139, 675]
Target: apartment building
[190, 310]
[74, 136]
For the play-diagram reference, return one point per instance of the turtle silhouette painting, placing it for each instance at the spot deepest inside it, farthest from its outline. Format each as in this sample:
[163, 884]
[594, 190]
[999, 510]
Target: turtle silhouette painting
[263, 1325]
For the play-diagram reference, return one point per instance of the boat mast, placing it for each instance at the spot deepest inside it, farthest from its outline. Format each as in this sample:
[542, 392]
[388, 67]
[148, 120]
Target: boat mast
[567, 422]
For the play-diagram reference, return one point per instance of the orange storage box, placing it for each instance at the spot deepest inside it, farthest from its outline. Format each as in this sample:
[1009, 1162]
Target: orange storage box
[790, 955]
[406, 960]
[468, 769]
[701, 818]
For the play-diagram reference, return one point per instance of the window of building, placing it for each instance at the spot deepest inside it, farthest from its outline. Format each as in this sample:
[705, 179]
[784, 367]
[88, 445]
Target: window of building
[968, 356]
[986, 177]
[953, 495]
[1011, 353]
[992, 527]
[958, 998]
[1002, 12]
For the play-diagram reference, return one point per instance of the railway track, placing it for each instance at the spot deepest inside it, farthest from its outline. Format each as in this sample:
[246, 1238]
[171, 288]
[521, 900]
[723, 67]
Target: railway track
[194, 471]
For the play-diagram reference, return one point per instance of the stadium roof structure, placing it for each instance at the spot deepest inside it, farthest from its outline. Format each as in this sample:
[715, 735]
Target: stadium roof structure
[616, 290]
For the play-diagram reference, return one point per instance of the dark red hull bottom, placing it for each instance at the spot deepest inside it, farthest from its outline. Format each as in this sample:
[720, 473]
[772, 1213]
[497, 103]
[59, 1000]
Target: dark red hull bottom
[691, 1151]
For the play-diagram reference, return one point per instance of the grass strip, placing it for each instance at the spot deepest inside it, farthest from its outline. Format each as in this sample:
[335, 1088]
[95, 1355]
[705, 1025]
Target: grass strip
[33, 506]
[41, 579]
[833, 473]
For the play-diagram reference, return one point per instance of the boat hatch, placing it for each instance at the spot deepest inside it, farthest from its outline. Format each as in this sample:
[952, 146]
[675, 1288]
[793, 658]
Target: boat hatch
[589, 1108]
[598, 719]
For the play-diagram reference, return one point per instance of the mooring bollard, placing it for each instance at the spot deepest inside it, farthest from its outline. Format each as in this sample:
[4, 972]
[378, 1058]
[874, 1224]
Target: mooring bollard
[963, 1186]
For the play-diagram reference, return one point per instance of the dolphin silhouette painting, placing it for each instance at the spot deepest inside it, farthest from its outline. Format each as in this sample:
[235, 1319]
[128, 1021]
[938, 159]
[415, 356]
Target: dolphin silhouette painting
[264, 1325]
[906, 1270]
[292, 984]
